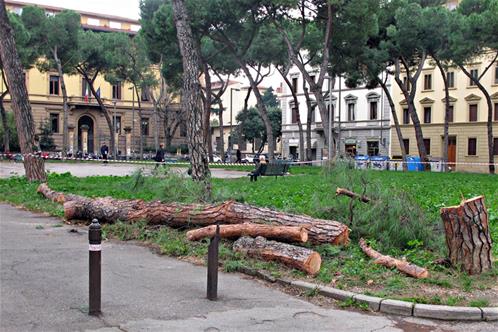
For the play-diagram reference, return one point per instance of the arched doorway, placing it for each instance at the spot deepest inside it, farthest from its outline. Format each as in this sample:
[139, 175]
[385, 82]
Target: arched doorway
[85, 120]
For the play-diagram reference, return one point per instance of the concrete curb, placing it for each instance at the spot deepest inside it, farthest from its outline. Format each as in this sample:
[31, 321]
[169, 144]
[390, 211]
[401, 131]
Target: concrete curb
[396, 307]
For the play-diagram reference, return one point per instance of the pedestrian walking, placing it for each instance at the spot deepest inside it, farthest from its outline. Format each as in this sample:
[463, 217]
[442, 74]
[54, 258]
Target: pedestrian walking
[239, 156]
[159, 158]
[104, 151]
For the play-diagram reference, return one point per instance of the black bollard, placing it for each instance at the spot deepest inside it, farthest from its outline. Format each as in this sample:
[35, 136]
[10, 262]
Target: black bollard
[95, 249]
[212, 269]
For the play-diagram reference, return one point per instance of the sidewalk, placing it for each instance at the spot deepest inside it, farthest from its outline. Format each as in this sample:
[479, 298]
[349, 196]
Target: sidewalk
[44, 287]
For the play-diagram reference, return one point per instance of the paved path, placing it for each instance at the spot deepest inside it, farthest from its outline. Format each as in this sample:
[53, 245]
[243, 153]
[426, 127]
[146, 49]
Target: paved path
[44, 285]
[82, 169]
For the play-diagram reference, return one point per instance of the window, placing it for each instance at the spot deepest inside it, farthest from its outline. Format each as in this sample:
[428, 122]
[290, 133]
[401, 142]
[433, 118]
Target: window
[115, 25]
[373, 110]
[116, 91]
[428, 82]
[135, 27]
[145, 126]
[427, 115]
[472, 147]
[313, 115]
[475, 74]
[406, 143]
[294, 111]
[495, 146]
[144, 96]
[427, 144]
[496, 74]
[373, 148]
[85, 89]
[473, 113]
[54, 85]
[54, 122]
[294, 84]
[351, 112]
[406, 116]
[496, 111]
[450, 78]
[451, 114]
[406, 83]
[117, 124]
[93, 21]
[313, 79]
[183, 129]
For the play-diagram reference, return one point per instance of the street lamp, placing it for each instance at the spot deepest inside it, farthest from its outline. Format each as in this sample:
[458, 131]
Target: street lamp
[330, 119]
[231, 118]
[132, 88]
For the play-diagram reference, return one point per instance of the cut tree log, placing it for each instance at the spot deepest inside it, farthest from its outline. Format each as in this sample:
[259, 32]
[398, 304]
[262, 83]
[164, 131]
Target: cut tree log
[468, 240]
[300, 258]
[388, 261]
[351, 194]
[281, 233]
[109, 210]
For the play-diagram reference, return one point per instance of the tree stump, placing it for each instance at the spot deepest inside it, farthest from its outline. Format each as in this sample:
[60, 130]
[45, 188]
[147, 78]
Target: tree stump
[467, 235]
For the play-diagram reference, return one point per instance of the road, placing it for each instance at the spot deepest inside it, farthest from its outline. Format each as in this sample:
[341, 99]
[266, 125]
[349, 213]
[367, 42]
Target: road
[82, 169]
[44, 287]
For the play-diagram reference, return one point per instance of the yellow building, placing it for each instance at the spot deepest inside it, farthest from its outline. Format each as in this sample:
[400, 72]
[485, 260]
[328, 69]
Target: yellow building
[88, 128]
[468, 142]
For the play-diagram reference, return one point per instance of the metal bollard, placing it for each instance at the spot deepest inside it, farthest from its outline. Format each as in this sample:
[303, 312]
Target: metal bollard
[212, 268]
[95, 249]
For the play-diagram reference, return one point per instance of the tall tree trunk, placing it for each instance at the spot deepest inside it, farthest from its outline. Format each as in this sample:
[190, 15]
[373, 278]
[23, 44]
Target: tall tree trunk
[409, 95]
[489, 123]
[5, 123]
[141, 127]
[396, 121]
[102, 106]
[262, 110]
[65, 106]
[446, 112]
[191, 97]
[156, 128]
[206, 126]
[222, 140]
[309, 118]
[34, 167]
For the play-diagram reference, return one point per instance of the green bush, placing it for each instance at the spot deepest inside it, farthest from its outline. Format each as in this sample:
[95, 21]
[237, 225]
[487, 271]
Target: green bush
[392, 218]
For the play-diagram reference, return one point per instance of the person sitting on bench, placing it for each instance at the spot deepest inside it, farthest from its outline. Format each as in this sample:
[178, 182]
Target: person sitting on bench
[260, 167]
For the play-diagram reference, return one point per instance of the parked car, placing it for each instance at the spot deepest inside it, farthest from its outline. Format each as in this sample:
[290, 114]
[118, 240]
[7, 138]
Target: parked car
[217, 159]
[256, 157]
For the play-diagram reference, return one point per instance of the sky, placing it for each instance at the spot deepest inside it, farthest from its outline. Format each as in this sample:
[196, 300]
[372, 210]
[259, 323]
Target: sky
[123, 8]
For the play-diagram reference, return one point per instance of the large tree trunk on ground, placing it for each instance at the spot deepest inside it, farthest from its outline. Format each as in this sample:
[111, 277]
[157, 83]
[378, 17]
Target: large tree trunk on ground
[35, 170]
[179, 215]
[191, 97]
[388, 261]
[300, 258]
[281, 233]
[467, 235]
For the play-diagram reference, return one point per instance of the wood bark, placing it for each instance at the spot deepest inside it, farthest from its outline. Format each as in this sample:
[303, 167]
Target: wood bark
[5, 123]
[191, 96]
[300, 258]
[394, 115]
[388, 261]
[446, 138]
[182, 215]
[281, 233]
[65, 105]
[467, 235]
[346, 192]
[34, 167]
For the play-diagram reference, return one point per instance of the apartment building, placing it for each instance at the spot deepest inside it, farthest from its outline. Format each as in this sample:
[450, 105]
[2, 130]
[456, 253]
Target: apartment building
[88, 128]
[468, 142]
[361, 119]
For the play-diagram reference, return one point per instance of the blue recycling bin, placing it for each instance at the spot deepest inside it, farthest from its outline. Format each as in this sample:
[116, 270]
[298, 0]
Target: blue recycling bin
[414, 164]
[361, 162]
[379, 162]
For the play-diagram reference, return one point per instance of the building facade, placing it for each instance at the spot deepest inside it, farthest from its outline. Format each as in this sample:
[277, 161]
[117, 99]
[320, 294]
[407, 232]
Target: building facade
[468, 141]
[361, 119]
[88, 129]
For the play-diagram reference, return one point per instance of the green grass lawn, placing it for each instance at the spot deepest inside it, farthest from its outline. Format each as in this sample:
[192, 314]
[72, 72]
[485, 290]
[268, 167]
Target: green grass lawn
[310, 191]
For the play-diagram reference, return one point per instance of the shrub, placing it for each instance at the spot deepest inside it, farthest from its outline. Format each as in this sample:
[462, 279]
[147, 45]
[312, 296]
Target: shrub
[393, 218]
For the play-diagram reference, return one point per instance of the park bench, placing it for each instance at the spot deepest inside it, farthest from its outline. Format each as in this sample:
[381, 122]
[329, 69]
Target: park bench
[274, 168]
